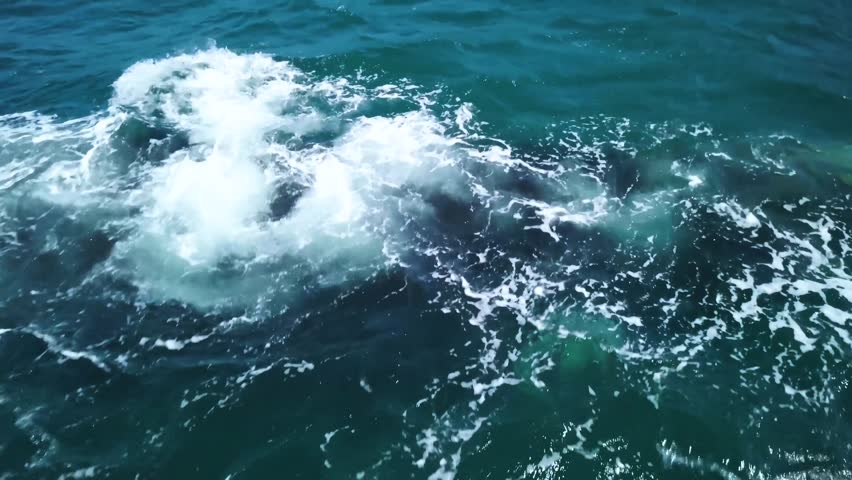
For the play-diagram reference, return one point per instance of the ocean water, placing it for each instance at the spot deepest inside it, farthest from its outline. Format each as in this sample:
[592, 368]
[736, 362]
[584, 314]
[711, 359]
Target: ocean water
[400, 239]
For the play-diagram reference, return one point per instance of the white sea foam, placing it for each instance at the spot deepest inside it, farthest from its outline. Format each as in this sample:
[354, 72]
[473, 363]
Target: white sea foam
[210, 203]
[742, 217]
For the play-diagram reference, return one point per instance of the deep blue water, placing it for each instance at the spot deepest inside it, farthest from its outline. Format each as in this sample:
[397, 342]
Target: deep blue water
[444, 240]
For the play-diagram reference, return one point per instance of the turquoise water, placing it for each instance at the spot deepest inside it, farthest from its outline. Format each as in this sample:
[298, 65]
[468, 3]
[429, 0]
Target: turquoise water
[443, 240]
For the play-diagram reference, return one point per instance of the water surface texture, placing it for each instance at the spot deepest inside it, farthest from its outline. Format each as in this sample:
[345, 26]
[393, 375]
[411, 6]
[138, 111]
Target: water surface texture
[425, 239]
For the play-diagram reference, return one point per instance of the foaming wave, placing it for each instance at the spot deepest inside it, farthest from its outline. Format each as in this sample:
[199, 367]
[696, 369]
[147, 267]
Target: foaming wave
[267, 173]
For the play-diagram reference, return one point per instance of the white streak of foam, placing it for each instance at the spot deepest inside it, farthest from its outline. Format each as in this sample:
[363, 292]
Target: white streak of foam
[88, 472]
[54, 346]
[584, 213]
[742, 217]
[175, 344]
